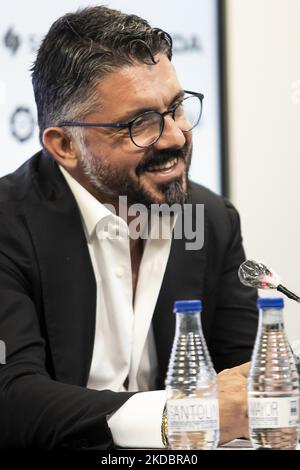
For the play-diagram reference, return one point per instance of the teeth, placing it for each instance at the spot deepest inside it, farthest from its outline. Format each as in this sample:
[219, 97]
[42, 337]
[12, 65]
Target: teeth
[163, 166]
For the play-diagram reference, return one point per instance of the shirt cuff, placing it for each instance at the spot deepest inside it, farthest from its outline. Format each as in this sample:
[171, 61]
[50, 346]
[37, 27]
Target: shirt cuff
[138, 422]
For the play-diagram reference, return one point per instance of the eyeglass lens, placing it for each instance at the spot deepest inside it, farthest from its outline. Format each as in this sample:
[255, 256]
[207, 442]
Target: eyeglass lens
[146, 129]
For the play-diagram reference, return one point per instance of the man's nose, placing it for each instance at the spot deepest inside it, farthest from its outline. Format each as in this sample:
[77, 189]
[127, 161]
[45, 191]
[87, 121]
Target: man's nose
[172, 135]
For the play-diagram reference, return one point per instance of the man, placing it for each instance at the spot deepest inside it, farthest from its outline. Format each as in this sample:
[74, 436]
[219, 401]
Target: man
[87, 317]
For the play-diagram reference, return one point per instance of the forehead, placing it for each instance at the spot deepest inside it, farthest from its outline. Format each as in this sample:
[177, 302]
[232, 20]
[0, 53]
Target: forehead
[138, 86]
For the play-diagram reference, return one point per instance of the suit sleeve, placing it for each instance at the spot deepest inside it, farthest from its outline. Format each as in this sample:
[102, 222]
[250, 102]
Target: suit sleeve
[236, 317]
[36, 411]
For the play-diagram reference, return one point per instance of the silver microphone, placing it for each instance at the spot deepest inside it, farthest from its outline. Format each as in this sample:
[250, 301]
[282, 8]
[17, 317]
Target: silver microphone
[256, 274]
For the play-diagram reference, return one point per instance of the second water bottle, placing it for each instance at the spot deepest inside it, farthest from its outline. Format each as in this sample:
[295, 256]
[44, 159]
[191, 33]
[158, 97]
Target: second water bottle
[273, 383]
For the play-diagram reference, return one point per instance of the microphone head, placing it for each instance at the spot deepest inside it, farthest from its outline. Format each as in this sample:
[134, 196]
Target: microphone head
[256, 274]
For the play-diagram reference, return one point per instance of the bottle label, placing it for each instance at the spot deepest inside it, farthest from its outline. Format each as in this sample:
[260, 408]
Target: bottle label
[273, 412]
[193, 414]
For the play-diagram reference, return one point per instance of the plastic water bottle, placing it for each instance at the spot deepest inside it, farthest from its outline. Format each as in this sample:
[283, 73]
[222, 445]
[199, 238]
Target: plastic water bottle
[273, 383]
[192, 401]
[296, 352]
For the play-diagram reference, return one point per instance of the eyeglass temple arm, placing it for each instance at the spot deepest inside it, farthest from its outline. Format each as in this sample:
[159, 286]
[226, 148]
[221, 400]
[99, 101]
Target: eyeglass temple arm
[88, 124]
[200, 95]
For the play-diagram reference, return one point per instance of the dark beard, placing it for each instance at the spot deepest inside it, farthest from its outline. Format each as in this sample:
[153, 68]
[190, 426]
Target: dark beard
[107, 181]
[175, 193]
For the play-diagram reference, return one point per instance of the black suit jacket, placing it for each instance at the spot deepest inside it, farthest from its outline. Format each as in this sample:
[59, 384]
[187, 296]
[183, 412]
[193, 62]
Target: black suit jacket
[48, 302]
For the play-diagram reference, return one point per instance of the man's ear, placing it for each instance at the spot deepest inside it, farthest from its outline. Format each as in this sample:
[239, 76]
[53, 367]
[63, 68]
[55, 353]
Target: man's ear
[60, 146]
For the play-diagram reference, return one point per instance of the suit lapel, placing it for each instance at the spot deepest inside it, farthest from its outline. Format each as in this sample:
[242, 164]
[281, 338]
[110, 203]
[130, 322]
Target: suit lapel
[68, 283]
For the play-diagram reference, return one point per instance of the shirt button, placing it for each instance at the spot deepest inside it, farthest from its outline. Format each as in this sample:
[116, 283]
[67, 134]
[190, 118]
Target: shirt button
[119, 271]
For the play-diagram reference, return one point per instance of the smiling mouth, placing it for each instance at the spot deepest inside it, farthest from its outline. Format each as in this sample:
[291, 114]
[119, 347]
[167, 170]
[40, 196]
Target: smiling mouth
[171, 169]
[167, 166]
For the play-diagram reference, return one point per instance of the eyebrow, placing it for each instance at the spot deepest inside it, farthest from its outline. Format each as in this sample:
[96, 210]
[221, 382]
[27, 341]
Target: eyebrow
[137, 112]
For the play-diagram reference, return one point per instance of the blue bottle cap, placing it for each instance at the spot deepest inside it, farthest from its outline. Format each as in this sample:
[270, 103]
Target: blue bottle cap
[187, 306]
[265, 302]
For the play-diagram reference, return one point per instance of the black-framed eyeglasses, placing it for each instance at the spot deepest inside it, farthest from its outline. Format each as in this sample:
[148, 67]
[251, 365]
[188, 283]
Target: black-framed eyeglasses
[145, 129]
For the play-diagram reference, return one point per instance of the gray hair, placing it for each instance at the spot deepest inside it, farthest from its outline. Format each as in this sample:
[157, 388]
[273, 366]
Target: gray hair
[80, 49]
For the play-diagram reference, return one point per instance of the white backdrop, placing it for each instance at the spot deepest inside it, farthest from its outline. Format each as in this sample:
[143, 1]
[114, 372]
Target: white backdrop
[193, 27]
[264, 138]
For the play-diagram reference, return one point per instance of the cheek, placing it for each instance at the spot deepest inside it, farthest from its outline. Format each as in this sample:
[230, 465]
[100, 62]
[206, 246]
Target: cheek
[120, 155]
[189, 150]
[132, 160]
[189, 140]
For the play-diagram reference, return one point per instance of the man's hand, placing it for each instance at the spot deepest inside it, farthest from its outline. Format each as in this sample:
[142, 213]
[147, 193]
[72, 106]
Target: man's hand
[233, 403]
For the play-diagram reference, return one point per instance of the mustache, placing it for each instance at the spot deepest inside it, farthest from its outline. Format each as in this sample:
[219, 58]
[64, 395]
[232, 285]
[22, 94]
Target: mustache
[160, 157]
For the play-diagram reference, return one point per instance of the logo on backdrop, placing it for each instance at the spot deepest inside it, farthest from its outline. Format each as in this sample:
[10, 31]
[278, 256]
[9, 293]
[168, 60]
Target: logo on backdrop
[13, 41]
[181, 43]
[22, 124]
[186, 44]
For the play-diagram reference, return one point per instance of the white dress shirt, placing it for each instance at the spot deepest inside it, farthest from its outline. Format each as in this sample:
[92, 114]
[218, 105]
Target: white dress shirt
[124, 345]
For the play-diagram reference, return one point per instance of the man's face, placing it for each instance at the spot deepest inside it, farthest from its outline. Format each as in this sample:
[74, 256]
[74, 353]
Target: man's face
[110, 164]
